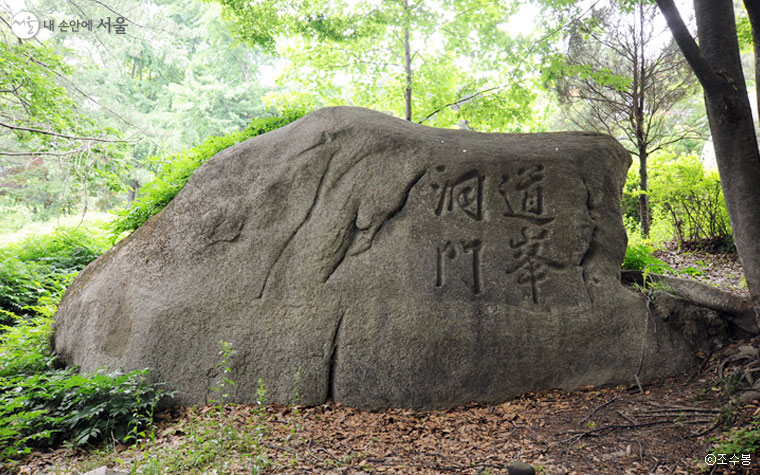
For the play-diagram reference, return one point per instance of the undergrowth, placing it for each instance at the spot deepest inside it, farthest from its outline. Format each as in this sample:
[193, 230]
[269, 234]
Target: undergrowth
[176, 170]
[738, 447]
[740, 440]
[221, 438]
[41, 267]
[44, 406]
[639, 257]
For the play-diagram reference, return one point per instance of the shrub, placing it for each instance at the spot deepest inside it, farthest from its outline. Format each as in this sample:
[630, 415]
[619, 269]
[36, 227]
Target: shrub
[41, 406]
[65, 250]
[41, 266]
[660, 231]
[686, 195]
[692, 199]
[178, 168]
[739, 440]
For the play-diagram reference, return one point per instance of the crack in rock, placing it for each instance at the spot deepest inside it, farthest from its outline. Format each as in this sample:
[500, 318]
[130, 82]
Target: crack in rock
[332, 361]
[300, 225]
[591, 249]
[353, 246]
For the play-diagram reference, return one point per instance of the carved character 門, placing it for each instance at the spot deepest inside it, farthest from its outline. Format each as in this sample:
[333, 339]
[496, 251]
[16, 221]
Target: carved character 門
[449, 252]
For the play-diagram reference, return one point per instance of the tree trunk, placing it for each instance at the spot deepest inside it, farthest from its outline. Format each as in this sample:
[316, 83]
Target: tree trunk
[641, 138]
[753, 11]
[133, 187]
[407, 65]
[243, 66]
[717, 65]
[733, 307]
[644, 214]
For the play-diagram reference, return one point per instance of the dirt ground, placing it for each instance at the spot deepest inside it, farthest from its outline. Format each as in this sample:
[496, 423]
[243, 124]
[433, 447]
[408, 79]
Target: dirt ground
[666, 429]
[619, 430]
[721, 269]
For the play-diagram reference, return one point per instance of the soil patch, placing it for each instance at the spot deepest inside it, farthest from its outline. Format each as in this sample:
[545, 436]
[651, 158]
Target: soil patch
[618, 430]
[723, 270]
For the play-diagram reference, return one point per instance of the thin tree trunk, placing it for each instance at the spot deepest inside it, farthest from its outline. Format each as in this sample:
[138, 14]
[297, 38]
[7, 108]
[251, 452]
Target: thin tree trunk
[717, 64]
[243, 65]
[644, 214]
[132, 193]
[407, 65]
[641, 139]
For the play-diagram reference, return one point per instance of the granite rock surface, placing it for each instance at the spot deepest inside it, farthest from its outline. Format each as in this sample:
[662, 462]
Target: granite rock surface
[357, 257]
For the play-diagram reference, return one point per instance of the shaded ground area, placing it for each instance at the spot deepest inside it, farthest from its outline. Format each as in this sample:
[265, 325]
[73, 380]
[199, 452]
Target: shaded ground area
[667, 429]
[721, 269]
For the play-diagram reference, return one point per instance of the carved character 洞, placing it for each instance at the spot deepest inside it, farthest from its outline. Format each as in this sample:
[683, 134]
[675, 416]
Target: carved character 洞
[464, 193]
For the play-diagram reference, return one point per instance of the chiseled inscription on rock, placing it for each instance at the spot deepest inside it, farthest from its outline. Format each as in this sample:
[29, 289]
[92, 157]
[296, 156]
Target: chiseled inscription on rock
[453, 250]
[521, 197]
[528, 261]
[464, 193]
[523, 194]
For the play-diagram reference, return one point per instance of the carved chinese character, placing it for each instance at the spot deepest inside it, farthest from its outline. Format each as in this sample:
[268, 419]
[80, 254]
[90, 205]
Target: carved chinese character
[449, 252]
[524, 194]
[528, 260]
[465, 193]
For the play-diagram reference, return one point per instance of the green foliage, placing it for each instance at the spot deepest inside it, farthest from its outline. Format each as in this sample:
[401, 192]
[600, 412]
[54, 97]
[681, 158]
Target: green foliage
[743, 30]
[639, 257]
[42, 266]
[41, 406]
[211, 443]
[462, 64]
[177, 169]
[225, 379]
[740, 440]
[215, 441]
[686, 200]
[24, 347]
[660, 230]
[559, 68]
[691, 198]
[54, 150]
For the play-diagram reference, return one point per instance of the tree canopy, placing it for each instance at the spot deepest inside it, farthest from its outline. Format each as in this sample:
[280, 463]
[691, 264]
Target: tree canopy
[441, 63]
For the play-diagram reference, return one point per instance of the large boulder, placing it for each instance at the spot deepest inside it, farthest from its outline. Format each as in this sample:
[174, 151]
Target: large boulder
[354, 256]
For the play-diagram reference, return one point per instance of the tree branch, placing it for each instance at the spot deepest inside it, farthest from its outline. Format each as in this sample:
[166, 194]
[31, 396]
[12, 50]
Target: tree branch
[519, 64]
[704, 72]
[38, 154]
[64, 136]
